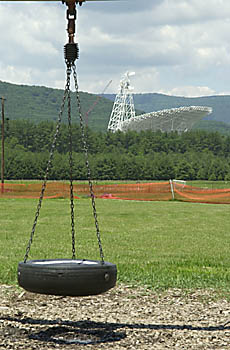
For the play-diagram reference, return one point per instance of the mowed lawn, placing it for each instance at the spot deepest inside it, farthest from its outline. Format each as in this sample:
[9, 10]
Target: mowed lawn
[157, 244]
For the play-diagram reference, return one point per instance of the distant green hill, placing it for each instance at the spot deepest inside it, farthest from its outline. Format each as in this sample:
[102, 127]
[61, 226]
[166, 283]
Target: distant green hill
[41, 103]
[38, 103]
[219, 120]
[155, 102]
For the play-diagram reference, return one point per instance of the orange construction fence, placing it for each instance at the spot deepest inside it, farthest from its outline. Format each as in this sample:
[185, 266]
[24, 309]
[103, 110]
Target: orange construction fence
[187, 193]
[155, 191]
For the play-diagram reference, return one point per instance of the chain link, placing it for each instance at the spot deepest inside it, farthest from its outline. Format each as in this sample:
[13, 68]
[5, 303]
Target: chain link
[85, 147]
[71, 170]
[48, 164]
[70, 67]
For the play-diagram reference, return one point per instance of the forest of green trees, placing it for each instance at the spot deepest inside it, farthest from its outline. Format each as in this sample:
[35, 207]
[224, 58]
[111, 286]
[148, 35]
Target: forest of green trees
[195, 155]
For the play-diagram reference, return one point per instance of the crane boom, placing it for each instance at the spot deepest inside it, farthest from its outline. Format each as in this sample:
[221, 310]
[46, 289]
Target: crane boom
[96, 102]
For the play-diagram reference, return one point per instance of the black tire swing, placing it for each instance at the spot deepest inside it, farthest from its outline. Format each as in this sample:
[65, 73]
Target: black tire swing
[67, 277]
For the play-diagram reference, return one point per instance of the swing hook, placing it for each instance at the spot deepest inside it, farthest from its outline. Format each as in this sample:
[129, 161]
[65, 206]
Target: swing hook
[71, 49]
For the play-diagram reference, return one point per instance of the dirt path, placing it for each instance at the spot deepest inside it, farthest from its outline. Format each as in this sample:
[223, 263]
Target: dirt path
[124, 318]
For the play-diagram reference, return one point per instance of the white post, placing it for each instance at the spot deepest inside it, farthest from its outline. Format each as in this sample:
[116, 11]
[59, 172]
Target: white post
[172, 189]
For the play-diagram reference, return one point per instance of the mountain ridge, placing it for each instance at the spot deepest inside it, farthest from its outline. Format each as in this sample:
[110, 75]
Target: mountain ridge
[151, 102]
[40, 103]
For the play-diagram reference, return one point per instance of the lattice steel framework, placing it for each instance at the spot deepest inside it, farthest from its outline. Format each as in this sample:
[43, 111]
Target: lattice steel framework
[175, 119]
[123, 108]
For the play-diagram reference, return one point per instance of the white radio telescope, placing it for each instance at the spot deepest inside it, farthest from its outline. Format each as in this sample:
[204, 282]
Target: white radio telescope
[123, 116]
[123, 108]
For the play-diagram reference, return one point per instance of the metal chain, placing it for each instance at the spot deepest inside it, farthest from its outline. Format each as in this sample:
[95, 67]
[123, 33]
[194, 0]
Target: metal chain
[68, 97]
[85, 147]
[71, 169]
[48, 164]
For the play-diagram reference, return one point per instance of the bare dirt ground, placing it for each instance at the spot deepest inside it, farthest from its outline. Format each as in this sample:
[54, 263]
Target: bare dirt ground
[123, 318]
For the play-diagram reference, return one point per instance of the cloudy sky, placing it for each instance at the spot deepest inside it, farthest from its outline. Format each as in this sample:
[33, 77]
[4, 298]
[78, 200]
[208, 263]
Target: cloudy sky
[176, 47]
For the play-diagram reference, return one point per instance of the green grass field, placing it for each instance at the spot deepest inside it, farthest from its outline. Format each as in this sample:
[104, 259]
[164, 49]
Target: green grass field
[155, 244]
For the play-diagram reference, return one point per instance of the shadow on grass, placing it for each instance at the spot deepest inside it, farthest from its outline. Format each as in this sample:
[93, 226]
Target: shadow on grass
[90, 332]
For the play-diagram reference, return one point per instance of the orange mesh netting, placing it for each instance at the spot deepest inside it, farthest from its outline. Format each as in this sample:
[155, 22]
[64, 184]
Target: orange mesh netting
[53, 190]
[201, 195]
[139, 191]
[157, 191]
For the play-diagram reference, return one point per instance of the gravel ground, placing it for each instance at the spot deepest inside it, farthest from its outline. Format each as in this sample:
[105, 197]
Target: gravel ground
[123, 318]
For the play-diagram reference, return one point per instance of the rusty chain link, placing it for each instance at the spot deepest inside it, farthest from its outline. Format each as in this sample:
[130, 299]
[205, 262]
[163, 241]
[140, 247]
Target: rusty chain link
[71, 169]
[70, 67]
[66, 93]
[85, 148]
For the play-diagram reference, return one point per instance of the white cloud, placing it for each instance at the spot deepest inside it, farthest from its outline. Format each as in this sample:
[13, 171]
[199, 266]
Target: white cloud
[190, 91]
[176, 46]
[179, 12]
[11, 74]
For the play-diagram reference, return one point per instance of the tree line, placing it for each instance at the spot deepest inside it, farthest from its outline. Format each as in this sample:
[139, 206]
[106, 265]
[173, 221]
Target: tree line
[147, 155]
